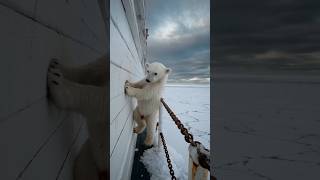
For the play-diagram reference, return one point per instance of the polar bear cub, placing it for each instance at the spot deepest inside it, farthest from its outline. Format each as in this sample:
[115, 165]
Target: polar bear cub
[148, 92]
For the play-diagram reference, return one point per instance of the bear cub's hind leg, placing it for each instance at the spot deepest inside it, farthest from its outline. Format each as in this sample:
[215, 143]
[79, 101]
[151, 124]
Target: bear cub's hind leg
[151, 127]
[141, 123]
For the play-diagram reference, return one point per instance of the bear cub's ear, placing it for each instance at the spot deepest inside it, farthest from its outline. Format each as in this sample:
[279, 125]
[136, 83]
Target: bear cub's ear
[168, 70]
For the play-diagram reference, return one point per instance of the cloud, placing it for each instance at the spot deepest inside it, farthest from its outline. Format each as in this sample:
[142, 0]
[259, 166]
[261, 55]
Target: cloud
[278, 32]
[180, 36]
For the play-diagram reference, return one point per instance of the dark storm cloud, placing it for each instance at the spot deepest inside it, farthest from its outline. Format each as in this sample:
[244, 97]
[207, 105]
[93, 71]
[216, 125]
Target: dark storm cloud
[275, 32]
[180, 37]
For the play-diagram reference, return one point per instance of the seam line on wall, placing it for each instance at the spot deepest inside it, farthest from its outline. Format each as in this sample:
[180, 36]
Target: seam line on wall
[69, 151]
[49, 27]
[118, 29]
[119, 113]
[121, 133]
[119, 66]
[42, 146]
[21, 109]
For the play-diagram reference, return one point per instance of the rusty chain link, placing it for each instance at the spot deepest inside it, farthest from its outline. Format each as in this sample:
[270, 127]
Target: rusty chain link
[168, 157]
[184, 131]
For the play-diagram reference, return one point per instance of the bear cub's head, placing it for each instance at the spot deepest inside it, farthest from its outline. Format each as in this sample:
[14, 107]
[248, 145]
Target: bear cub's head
[156, 72]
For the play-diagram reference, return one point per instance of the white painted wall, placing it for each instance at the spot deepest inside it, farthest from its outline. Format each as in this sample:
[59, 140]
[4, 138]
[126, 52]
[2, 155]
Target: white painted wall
[126, 56]
[37, 140]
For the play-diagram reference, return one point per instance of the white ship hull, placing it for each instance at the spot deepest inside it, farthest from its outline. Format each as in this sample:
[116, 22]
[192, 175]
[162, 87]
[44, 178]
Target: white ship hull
[127, 56]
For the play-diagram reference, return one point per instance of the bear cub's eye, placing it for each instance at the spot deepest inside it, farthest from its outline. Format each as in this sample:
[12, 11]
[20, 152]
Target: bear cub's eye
[147, 71]
[155, 73]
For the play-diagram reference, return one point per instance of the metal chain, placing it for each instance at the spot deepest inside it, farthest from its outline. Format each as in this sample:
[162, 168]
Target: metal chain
[184, 131]
[168, 157]
[203, 159]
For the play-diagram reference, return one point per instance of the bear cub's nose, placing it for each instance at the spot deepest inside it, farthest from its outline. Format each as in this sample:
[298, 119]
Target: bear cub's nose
[148, 80]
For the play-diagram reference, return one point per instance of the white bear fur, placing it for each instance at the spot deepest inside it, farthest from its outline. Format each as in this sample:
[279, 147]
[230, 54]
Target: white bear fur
[148, 92]
[83, 89]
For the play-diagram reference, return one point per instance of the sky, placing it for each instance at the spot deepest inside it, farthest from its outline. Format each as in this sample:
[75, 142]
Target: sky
[179, 37]
[271, 33]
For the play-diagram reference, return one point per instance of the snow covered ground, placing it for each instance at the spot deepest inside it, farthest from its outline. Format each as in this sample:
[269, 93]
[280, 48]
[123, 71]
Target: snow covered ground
[191, 104]
[266, 126]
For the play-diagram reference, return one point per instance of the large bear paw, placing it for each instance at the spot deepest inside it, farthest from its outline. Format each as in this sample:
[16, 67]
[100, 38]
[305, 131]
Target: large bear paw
[57, 88]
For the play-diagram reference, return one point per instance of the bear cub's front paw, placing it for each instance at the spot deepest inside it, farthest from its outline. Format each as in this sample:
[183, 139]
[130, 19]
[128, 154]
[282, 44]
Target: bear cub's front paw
[127, 84]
